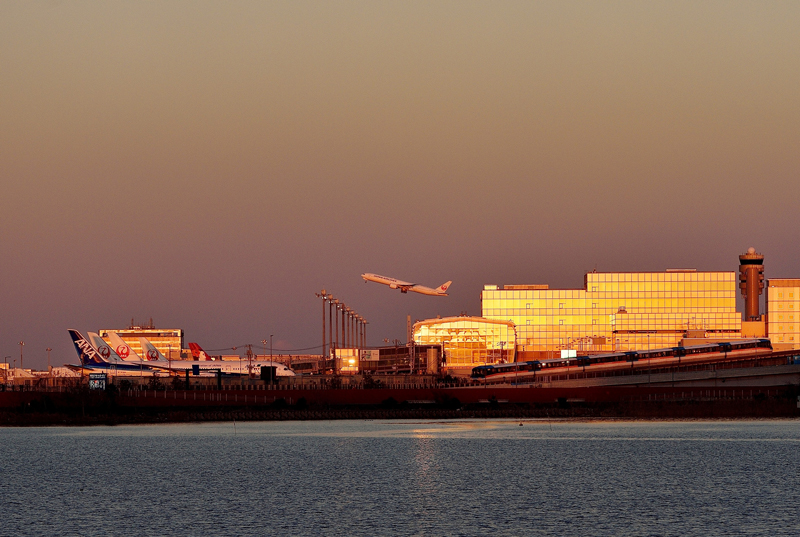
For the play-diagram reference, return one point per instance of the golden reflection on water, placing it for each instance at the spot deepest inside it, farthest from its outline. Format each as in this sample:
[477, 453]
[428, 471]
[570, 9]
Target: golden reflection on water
[425, 464]
[455, 427]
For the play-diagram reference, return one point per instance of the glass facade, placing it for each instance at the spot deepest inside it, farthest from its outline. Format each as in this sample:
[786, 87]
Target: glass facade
[783, 313]
[618, 311]
[168, 341]
[469, 341]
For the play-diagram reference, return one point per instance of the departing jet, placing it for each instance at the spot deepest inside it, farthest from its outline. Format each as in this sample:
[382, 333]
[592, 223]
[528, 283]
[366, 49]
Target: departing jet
[405, 287]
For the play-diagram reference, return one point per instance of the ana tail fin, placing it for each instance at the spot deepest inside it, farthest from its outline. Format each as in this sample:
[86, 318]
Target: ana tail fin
[86, 353]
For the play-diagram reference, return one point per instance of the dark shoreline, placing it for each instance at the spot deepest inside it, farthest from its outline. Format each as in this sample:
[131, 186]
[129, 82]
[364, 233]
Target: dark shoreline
[82, 406]
[639, 411]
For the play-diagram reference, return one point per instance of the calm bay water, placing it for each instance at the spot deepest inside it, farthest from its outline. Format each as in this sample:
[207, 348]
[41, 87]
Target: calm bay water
[470, 477]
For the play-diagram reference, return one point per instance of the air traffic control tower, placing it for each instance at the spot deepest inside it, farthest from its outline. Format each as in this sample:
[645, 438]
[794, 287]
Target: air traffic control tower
[751, 283]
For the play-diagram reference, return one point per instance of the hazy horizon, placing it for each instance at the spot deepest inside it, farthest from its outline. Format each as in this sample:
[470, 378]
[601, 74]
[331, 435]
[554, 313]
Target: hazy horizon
[213, 166]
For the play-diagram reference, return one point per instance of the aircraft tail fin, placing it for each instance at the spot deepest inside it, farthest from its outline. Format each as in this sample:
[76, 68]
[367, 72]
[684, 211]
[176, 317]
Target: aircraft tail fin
[443, 288]
[150, 351]
[86, 352]
[122, 349]
[103, 348]
[198, 353]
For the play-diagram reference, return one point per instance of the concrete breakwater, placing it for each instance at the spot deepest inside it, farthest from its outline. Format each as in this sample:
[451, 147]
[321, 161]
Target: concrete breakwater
[111, 406]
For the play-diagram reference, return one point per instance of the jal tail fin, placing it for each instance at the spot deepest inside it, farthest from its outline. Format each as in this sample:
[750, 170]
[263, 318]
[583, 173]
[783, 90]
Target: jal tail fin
[87, 354]
[123, 349]
[443, 288]
[151, 352]
[103, 348]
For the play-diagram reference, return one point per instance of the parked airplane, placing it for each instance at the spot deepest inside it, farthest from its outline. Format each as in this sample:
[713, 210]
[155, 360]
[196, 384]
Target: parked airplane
[152, 354]
[227, 367]
[204, 363]
[405, 287]
[92, 360]
[106, 352]
[123, 349]
[198, 353]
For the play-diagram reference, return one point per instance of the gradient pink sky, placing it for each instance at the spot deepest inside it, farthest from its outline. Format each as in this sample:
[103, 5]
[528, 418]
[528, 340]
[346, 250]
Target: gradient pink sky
[213, 165]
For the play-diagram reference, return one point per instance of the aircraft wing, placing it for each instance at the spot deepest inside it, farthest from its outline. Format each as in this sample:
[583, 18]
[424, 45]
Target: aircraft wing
[394, 283]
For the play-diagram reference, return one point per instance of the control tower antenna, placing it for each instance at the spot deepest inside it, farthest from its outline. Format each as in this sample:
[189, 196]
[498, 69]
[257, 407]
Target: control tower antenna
[751, 282]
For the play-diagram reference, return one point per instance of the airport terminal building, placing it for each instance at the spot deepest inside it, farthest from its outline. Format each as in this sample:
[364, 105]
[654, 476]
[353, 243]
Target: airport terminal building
[783, 313]
[169, 341]
[617, 311]
[469, 341]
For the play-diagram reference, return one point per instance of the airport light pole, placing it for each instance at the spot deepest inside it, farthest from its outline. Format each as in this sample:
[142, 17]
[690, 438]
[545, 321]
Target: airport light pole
[345, 322]
[345, 310]
[270, 347]
[249, 362]
[21, 344]
[344, 331]
[49, 369]
[336, 347]
[365, 332]
[330, 334]
[358, 333]
[350, 314]
[324, 296]
[353, 330]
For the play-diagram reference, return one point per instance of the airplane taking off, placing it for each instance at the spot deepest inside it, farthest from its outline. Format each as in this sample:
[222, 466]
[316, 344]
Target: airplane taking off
[405, 287]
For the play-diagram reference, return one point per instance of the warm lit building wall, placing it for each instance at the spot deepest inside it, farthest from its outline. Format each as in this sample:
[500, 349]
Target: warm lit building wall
[618, 311]
[167, 340]
[468, 341]
[783, 313]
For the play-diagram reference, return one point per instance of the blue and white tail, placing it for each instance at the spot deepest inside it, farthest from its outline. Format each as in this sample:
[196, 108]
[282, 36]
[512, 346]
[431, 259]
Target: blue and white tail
[87, 354]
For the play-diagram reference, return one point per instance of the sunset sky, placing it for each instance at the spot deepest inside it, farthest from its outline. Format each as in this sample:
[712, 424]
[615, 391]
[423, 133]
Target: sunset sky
[212, 165]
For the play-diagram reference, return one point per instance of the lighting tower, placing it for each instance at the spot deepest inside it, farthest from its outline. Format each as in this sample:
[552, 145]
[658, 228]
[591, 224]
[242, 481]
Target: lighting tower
[751, 282]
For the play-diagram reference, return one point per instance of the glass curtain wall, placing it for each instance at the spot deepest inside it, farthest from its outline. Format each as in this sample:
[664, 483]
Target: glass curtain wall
[783, 313]
[618, 311]
[469, 341]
